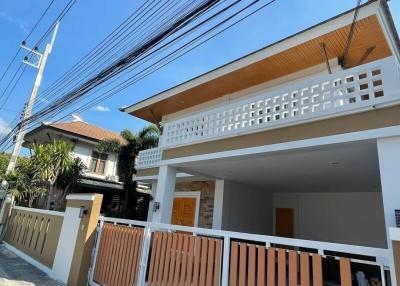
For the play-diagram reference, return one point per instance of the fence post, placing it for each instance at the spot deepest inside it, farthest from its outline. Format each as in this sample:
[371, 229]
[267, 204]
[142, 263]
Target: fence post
[394, 233]
[225, 261]
[73, 255]
[96, 251]
[5, 211]
[144, 256]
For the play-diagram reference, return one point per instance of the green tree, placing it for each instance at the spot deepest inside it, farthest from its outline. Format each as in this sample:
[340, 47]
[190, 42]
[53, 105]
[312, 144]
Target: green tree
[127, 152]
[49, 161]
[68, 181]
[4, 159]
[22, 184]
[16, 183]
[32, 192]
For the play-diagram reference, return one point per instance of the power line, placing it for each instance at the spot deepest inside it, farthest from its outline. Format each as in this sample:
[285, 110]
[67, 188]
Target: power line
[30, 54]
[93, 62]
[61, 15]
[10, 64]
[13, 87]
[87, 67]
[77, 69]
[155, 68]
[39, 20]
[254, 2]
[58, 106]
[12, 79]
[26, 38]
[124, 62]
[182, 21]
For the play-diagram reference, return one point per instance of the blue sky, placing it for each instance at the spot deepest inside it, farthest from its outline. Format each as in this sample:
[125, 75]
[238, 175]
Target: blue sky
[91, 20]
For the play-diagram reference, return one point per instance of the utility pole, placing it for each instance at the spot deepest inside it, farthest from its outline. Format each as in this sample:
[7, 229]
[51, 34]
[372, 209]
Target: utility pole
[40, 65]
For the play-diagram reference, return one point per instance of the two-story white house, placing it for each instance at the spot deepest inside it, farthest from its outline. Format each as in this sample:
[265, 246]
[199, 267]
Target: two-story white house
[300, 139]
[101, 173]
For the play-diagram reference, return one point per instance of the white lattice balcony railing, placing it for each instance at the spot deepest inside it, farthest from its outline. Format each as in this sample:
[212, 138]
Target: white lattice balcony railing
[343, 92]
[149, 158]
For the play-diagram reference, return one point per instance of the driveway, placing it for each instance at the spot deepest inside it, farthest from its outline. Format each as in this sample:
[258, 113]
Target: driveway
[15, 271]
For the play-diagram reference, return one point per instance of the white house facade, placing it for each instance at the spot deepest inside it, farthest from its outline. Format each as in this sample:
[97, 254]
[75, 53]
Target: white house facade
[101, 172]
[298, 141]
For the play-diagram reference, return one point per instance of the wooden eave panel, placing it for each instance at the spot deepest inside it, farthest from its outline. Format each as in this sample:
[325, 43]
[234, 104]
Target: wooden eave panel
[367, 33]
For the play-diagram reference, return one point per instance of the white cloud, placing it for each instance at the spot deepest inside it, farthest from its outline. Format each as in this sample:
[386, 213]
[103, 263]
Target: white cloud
[20, 23]
[4, 129]
[101, 108]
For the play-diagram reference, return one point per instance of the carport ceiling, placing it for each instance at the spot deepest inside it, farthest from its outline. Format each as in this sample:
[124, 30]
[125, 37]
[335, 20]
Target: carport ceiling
[339, 167]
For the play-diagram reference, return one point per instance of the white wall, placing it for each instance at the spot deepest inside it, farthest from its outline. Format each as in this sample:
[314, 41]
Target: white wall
[84, 152]
[343, 217]
[246, 209]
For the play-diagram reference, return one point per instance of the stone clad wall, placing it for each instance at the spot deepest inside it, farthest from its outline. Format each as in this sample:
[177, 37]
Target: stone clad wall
[206, 189]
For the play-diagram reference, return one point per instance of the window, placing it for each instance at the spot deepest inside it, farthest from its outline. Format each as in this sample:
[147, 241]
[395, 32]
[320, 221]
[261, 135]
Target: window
[98, 163]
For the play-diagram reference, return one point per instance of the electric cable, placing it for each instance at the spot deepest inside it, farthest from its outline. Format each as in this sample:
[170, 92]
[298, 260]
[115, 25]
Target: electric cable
[26, 38]
[132, 58]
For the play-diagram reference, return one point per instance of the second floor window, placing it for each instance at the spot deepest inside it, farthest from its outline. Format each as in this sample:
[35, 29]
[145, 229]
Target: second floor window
[98, 163]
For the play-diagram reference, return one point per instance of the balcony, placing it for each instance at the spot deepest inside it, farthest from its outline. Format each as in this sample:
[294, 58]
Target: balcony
[348, 91]
[149, 158]
[344, 92]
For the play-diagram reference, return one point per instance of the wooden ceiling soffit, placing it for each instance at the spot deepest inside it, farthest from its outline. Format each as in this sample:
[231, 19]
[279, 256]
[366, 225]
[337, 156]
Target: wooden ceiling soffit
[367, 34]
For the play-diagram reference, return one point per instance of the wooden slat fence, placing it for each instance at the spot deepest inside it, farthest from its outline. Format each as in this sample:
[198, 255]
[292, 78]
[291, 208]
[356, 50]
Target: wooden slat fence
[183, 259]
[35, 232]
[132, 253]
[257, 265]
[118, 258]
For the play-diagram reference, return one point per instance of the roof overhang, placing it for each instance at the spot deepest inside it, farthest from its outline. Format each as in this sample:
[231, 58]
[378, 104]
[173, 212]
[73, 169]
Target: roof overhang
[47, 133]
[374, 27]
[101, 184]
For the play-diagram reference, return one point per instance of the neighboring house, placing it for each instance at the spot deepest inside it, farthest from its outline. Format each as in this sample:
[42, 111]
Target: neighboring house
[285, 142]
[101, 174]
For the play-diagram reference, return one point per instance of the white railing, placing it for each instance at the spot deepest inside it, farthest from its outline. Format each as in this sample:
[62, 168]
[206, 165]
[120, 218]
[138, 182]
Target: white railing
[381, 257]
[343, 92]
[149, 158]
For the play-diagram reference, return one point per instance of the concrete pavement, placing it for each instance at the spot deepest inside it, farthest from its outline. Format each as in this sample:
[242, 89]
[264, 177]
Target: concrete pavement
[15, 271]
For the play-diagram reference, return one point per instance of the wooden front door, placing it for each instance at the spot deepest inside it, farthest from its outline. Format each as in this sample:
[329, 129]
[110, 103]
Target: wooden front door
[184, 211]
[284, 222]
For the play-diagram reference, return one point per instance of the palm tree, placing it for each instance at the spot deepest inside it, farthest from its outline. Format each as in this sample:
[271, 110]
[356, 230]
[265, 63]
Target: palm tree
[49, 161]
[127, 153]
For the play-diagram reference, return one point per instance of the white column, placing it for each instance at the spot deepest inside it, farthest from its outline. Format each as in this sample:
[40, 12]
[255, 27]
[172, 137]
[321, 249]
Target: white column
[389, 167]
[66, 244]
[165, 194]
[151, 204]
[218, 204]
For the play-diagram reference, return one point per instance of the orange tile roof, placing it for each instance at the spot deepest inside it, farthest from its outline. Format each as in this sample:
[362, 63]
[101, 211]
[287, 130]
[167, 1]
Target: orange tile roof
[87, 130]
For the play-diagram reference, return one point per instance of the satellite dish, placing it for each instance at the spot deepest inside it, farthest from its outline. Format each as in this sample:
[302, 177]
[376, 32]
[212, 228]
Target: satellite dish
[77, 118]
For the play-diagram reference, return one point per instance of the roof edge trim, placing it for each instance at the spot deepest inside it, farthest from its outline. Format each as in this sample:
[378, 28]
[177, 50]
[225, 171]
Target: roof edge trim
[367, 9]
